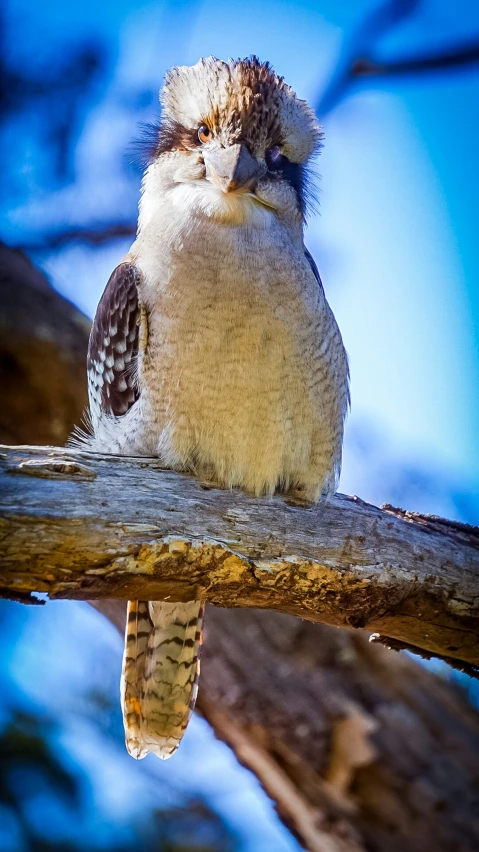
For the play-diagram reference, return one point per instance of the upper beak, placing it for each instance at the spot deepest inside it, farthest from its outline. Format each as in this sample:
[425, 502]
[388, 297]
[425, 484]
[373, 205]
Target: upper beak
[232, 168]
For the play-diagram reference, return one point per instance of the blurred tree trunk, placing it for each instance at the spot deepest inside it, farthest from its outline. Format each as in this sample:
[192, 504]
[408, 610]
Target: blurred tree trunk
[42, 356]
[359, 747]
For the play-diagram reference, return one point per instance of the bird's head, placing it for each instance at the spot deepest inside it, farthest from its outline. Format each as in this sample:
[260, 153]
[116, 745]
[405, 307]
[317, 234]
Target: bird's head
[233, 141]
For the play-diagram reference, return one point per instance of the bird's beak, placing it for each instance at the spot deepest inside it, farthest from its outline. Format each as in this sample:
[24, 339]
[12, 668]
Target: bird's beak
[232, 168]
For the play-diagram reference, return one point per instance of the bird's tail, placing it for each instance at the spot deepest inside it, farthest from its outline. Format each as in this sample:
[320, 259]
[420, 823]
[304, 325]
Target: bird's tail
[161, 667]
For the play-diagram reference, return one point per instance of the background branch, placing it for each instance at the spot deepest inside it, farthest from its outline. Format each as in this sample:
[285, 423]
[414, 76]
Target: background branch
[455, 56]
[94, 236]
[359, 748]
[359, 59]
[360, 56]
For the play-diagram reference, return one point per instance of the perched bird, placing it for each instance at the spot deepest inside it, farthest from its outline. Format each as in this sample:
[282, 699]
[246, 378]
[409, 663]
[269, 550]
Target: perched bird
[213, 346]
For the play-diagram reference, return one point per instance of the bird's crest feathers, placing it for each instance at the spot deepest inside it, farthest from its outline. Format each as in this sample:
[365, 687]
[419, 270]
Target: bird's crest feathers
[242, 98]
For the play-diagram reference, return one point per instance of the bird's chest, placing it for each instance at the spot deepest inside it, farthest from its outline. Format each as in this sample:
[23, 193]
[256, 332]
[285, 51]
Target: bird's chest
[226, 367]
[220, 338]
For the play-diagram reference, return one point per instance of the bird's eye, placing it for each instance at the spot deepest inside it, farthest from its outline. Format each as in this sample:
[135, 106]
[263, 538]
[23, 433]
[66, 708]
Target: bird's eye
[204, 133]
[274, 157]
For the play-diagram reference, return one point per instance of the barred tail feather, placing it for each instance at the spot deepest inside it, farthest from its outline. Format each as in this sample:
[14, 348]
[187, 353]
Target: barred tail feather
[161, 667]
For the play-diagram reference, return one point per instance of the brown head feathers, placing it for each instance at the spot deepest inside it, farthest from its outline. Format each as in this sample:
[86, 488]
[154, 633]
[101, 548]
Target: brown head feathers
[239, 99]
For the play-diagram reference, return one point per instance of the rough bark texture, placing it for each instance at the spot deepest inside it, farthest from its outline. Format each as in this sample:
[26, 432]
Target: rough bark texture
[377, 748]
[83, 526]
[360, 748]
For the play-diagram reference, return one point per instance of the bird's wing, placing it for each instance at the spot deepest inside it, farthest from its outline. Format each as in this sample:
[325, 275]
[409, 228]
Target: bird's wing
[314, 268]
[113, 346]
[342, 355]
[162, 642]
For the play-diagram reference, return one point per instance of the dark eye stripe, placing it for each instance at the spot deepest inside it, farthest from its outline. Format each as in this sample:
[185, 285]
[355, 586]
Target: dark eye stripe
[174, 136]
[292, 172]
[274, 157]
[171, 135]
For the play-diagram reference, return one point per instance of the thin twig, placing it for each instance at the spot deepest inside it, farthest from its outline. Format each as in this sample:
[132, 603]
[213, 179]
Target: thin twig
[90, 235]
[359, 57]
[453, 57]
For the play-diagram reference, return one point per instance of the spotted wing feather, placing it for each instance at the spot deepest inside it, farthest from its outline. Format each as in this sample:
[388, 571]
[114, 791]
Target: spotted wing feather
[113, 346]
[162, 641]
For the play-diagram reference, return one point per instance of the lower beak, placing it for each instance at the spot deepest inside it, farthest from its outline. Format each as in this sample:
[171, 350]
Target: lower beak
[232, 168]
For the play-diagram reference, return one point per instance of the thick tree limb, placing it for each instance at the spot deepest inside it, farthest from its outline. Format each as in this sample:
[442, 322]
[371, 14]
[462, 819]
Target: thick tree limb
[83, 526]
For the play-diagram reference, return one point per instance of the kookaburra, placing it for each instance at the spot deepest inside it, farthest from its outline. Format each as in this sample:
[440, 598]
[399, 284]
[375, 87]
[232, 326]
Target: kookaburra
[213, 346]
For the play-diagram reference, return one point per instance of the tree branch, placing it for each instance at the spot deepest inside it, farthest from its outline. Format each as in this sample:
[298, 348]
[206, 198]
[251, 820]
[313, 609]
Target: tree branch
[83, 526]
[454, 56]
[359, 58]
[90, 235]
